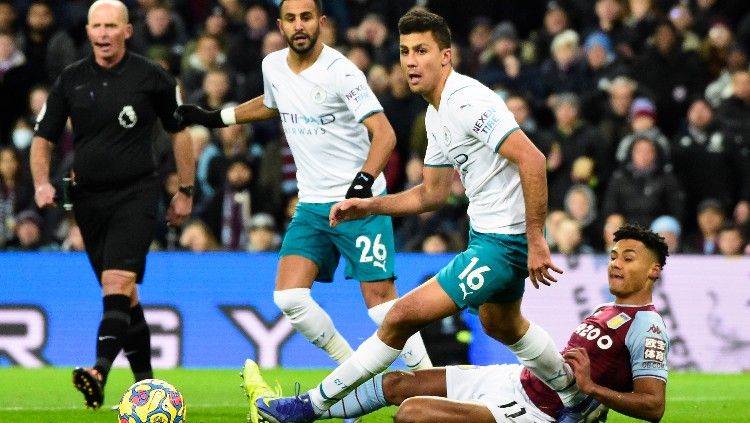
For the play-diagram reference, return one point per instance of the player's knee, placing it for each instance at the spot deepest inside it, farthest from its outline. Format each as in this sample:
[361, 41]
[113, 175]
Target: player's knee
[376, 293]
[398, 323]
[504, 333]
[410, 411]
[292, 301]
[396, 387]
[118, 282]
[507, 330]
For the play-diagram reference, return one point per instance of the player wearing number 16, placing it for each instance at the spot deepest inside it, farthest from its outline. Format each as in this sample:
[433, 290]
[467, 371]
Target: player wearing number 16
[326, 109]
[469, 130]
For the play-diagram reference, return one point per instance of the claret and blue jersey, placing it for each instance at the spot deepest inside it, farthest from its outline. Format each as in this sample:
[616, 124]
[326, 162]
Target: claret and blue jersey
[623, 342]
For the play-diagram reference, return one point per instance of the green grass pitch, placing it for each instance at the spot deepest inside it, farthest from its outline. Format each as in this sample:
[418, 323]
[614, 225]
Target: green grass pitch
[47, 395]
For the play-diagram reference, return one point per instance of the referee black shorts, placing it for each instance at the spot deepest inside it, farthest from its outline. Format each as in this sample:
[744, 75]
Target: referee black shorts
[118, 225]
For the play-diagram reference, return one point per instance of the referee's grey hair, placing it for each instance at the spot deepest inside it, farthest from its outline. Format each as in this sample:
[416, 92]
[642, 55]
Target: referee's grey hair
[116, 3]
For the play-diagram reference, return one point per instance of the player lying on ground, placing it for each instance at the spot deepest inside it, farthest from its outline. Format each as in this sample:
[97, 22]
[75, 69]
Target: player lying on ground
[618, 355]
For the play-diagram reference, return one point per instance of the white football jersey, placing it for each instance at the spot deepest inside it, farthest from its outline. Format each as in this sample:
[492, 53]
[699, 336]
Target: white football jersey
[321, 110]
[466, 133]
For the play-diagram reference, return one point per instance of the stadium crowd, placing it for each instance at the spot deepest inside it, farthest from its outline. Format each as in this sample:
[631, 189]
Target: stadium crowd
[641, 107]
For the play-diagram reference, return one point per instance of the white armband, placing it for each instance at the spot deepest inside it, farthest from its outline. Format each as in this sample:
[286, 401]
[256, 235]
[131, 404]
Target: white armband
[228, 117]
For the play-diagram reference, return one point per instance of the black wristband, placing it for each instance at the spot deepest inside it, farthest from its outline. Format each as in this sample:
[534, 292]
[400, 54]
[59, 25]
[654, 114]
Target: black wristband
[361, 186]
[213, 119]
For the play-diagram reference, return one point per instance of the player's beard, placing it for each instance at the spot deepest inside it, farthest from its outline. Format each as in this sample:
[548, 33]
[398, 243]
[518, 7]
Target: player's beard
[307, 47]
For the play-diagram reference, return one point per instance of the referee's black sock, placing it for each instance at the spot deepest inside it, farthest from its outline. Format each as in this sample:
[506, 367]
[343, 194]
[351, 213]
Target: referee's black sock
[111, 334]
[137, 345]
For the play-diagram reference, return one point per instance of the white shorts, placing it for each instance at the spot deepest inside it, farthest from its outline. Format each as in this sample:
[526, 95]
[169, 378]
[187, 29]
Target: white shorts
[498, 387]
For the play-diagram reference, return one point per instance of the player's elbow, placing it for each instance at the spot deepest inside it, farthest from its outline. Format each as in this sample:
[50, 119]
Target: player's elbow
[385, 137]
[535, 159]
[657, 413]
[390, 139]
[654, 411]
[434, 196]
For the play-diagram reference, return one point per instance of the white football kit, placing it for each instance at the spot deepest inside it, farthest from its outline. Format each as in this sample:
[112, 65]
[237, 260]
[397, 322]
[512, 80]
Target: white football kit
[466, 132]
[498, 387]
[321, 110]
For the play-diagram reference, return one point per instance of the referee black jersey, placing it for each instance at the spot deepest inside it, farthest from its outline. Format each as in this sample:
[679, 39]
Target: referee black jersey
[113, 112]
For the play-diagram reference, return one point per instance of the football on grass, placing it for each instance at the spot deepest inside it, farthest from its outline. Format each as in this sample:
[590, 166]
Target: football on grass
[152, 401]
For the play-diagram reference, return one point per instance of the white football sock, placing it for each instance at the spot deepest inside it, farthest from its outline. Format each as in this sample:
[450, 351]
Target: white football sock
[371, 358]
[414, 353]
[538, 353]
[367, 398]
[309, 319]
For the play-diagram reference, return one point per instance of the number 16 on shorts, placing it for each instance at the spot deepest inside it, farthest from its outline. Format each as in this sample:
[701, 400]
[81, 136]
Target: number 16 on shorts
[474, 279]
[373, 251]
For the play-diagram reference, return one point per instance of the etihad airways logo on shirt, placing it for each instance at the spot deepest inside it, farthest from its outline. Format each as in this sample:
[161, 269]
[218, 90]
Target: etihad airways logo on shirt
[298, 119]
[296, 124]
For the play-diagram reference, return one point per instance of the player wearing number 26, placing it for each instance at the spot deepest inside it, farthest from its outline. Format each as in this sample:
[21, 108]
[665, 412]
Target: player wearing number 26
[326, 109]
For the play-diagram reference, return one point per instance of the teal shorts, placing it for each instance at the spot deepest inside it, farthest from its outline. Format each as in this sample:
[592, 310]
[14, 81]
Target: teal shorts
[366, 244]
[491, 270]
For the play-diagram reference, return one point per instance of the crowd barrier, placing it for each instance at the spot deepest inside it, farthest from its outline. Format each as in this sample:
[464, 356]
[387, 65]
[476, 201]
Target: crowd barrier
[216, 309]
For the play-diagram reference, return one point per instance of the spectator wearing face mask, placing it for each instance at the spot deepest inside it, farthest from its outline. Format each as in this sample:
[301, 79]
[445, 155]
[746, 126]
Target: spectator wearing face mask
[16, 192]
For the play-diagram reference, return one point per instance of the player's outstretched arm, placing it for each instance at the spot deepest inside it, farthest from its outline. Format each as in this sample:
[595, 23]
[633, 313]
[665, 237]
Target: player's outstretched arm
[429, 195]
[645, 402]
[531, 166]
[249, 111]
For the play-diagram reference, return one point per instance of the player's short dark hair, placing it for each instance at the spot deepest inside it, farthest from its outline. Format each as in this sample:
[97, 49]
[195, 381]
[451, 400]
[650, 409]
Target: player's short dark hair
[418, 20]
[653, 241]
[318, 5]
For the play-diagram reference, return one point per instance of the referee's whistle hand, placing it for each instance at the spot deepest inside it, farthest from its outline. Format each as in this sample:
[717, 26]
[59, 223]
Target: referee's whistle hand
[179, 210]
[44, 196]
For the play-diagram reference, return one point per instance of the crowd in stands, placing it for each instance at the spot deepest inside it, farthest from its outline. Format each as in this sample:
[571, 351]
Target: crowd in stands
[641, 107]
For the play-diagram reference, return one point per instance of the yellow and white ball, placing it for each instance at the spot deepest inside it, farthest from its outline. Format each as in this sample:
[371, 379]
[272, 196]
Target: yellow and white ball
[152, 401]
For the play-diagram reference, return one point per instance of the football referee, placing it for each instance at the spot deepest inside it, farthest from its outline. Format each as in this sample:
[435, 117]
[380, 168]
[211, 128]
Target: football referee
[113, 99]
